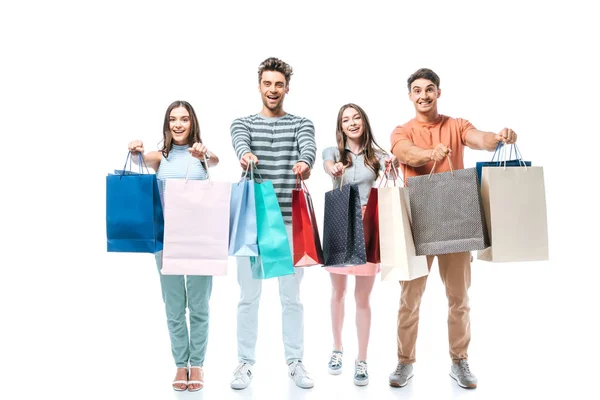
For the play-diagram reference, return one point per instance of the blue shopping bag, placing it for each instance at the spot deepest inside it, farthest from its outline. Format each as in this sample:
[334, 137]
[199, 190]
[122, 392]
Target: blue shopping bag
[243, 233]
[518, 162]
[273, 243]
[134, 216]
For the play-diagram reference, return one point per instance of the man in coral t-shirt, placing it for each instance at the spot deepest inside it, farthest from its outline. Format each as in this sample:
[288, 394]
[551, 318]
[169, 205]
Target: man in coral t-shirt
[428, 138]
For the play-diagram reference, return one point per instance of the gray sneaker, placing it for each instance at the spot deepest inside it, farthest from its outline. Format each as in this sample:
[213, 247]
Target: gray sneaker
[463, 376]
[400, 377]
[361, 376]
[335, 363]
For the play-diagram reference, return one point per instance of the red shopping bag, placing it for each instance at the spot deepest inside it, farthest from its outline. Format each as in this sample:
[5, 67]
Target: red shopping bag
[306, 240]
[371, 228]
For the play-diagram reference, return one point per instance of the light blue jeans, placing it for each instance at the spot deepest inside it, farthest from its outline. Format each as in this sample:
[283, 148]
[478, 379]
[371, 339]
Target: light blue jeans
[291, 308]
[179, 291]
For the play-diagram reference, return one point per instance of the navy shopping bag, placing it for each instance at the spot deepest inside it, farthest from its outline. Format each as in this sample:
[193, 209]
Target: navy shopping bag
[343, 232]
[518, 162]
[134, 216]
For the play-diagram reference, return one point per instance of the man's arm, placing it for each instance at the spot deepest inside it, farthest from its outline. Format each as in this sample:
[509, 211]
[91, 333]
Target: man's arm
[479, 140]
[306, 143]
[308, 149]
[412, 155]
[240, 138]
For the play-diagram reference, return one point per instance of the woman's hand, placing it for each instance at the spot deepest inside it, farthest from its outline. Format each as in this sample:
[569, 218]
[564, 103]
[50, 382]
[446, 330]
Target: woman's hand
[336, 169]
[136, 147]
[199, 151]
[391, 161]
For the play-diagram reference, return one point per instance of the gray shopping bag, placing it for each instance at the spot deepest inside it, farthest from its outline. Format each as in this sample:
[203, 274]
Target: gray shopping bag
[447, 215]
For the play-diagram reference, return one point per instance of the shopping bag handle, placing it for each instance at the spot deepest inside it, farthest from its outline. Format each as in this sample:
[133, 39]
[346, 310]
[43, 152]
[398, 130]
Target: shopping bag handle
[300, 184]
[498, 147]
[394, 171]
[141, 164]
[341, 180]
[501, 150]
[517, 155]
[254, 167]
[206, 169]
[434, 164]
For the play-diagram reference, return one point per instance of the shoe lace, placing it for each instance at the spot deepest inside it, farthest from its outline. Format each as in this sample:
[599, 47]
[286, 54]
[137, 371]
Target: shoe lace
[240, 371]
[464, 367]
[299, 370]
[361, 368]
[400, 368]
[336, 359]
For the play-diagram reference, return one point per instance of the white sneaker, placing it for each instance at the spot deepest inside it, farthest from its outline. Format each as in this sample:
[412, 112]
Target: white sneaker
[242, 376]
[298, 373]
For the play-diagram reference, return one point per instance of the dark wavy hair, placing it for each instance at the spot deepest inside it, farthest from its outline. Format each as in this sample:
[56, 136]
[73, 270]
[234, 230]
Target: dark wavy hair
[275, 64]
[194, 136]
[368, 145]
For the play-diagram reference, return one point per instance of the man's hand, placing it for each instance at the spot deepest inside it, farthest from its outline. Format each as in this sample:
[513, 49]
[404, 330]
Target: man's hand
[246, 159]
[301, 168]
[439, 152]
[506, 136]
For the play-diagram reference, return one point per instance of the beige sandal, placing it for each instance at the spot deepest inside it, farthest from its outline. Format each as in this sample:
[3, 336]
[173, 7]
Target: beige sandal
[198, 382]
[181, 382]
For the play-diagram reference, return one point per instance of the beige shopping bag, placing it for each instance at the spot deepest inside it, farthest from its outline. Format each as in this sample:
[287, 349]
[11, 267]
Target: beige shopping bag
[514, 203]
[398, 259]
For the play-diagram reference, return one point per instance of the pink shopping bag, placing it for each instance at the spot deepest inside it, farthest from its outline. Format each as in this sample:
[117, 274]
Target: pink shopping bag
[196, 238]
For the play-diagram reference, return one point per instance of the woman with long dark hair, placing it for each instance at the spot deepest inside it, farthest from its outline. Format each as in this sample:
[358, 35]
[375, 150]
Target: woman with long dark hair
[359, 158]
[182, 152]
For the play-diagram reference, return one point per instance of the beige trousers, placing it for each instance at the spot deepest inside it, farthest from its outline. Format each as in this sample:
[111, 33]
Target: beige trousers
[455, 271]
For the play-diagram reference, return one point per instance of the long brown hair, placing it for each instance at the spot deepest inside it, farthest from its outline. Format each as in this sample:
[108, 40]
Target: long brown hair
[368, 145]
[193, 137]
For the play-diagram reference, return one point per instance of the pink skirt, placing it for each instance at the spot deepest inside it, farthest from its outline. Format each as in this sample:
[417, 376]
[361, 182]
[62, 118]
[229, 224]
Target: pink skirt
[368, 269]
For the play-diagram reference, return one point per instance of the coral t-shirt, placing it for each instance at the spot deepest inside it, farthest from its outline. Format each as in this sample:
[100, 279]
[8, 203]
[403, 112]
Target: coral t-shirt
[427, 135]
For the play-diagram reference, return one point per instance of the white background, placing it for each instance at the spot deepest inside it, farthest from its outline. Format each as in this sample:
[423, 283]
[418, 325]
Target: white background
[79, 80]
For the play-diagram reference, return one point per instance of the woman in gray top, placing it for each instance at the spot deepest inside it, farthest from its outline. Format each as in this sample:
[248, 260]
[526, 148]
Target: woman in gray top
[360, 159]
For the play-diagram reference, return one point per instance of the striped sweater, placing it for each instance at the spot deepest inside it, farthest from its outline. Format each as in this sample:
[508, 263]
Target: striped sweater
[278, 143]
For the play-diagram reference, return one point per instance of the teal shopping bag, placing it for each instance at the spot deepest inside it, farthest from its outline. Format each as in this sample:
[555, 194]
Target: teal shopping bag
[273, 244]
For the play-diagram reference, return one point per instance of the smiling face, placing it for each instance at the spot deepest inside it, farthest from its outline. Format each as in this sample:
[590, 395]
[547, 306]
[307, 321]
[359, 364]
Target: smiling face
[424, 94]
[352, 124]
[180, 125]
[273, 89]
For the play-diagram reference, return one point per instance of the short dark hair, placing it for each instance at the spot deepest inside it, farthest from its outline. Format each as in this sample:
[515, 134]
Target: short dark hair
[275, 64]
[424, 73]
